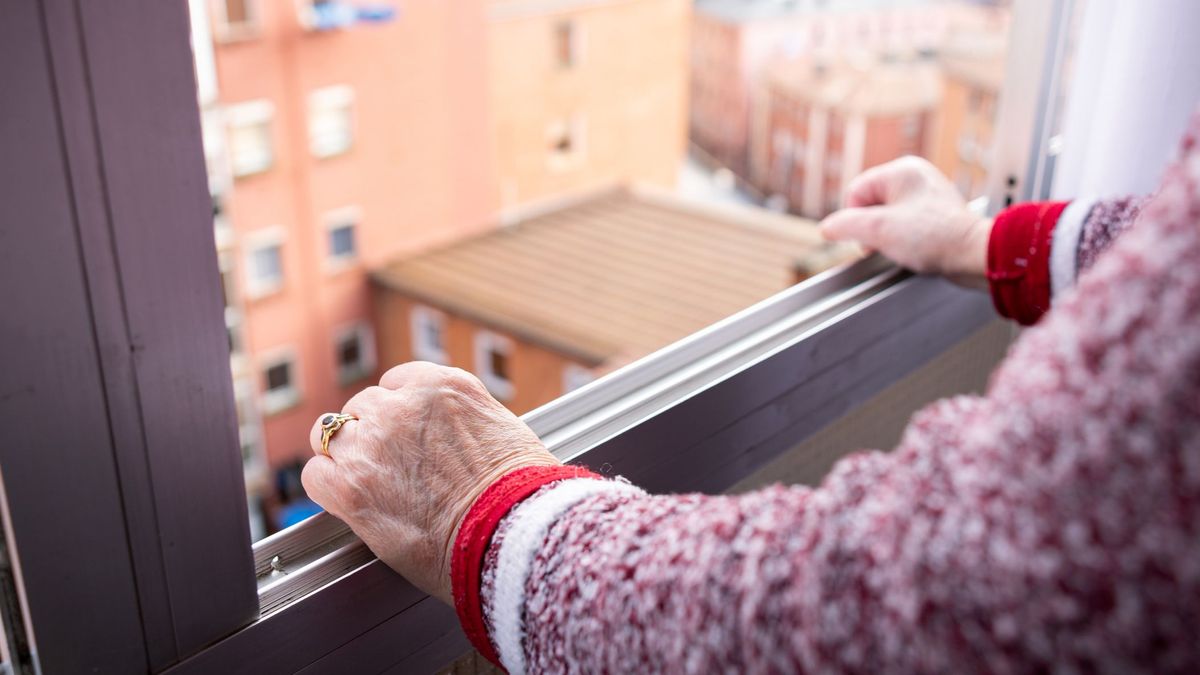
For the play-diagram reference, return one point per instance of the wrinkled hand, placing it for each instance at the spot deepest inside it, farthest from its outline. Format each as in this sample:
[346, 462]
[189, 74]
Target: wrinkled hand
[428, 441]
[909, 212]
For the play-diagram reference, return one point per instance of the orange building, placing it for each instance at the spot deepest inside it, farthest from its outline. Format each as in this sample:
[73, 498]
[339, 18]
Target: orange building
[973, 74]
[583, 286]
[332, 147]
[824, 123]
[584, 94]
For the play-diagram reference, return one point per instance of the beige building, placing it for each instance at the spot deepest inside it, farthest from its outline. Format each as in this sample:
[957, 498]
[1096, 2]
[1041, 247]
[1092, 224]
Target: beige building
[973, 75]
[579, 288]
[821, 124]
[585, 94]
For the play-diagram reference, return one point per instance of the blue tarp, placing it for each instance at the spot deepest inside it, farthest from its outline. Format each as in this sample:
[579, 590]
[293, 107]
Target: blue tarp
[335, 15]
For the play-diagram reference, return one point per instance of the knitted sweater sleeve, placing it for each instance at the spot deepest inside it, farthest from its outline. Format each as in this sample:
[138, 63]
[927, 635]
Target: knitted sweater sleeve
[1053, 522]
[1037, 250]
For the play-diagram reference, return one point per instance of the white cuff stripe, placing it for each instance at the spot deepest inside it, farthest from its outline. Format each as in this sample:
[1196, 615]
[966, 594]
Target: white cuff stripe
[1064, 245]
[525, 536]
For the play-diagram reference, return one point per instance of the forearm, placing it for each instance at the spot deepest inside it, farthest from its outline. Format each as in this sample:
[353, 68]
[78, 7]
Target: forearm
[1050, 524]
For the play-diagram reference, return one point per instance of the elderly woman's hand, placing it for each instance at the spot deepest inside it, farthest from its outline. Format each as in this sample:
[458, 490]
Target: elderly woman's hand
[427, 442]
[909, 212]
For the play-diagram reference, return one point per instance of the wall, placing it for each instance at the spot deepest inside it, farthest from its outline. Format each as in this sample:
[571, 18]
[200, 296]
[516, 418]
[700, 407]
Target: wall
[630, 85]
[537, 373]
[959, 126]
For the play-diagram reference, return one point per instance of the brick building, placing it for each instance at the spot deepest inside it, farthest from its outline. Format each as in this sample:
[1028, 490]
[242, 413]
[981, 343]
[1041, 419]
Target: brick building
[824, 123]
[586, 94]
[321, 166]
[582, 286]
[735, 42]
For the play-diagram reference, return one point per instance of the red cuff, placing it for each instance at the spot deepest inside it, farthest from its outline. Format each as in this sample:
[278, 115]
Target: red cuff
[475, 535]
[1018, 269]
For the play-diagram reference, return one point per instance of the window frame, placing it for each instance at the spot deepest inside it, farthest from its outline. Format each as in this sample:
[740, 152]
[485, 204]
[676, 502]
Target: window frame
[230, 32]
[486, 343]
[420, 317]
[255, 112]
[255, 287]
[574, 127]
[274, 402]
[339, 97]
[169, 585]
[347, 216]
[136, 564]
[575, 36]
[366, 348]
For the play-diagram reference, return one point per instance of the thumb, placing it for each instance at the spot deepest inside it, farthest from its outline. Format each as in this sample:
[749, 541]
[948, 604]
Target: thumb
[318, 479]
[862, 225]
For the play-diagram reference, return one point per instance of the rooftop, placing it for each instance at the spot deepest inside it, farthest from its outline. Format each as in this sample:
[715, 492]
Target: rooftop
[865, 85]
[615, 275]
[978, 60]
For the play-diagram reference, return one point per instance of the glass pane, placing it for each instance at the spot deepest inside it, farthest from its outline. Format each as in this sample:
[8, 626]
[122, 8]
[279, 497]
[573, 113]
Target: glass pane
[349, 352]
[279, 376]
[341, 241]
[236, 12]
[590, 183]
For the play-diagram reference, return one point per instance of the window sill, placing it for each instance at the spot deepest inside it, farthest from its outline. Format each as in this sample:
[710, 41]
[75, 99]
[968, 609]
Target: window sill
[255, 293]
[329, 154]
[847, 333]
[502, 389]
[335, 265]
[228, 35]
[252, 172]
[275, 403]
[349, 377]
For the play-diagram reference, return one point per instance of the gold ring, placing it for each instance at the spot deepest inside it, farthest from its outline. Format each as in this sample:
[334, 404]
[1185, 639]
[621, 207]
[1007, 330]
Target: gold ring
[330, 424]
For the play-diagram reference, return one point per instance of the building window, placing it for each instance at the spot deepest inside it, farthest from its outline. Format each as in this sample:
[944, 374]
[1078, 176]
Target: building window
[341, 241]
[330, 121]
[342, 226]
[429, 335]
[575, 376]
[250, 149]
[911, 127]
[568, 44]
[355, 353]
[264, 264]
[236, 19]
[493, 363]
[566, 139]
[975, 101]
[280, 389]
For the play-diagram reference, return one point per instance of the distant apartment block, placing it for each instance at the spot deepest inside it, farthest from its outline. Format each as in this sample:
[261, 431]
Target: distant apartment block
[586, 94]
[581, 287]
[734, 43]
[822, 123]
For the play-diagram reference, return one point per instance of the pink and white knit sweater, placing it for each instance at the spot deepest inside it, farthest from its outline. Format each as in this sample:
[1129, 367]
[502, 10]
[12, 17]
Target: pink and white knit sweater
[1052, 524]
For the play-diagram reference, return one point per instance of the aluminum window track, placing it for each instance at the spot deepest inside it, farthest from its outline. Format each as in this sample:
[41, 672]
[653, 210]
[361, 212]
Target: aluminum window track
[576, 427]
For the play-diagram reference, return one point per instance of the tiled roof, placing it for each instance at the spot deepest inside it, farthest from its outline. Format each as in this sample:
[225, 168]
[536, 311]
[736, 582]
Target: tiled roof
[616, 275]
